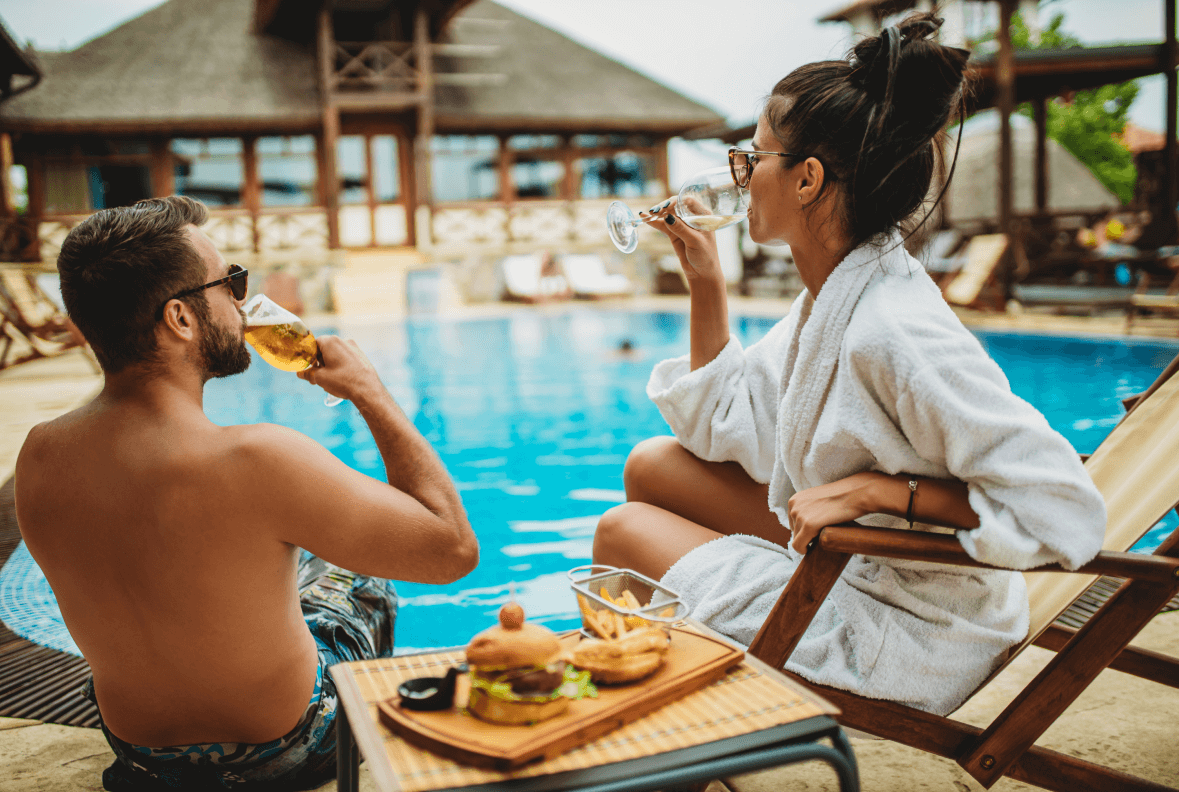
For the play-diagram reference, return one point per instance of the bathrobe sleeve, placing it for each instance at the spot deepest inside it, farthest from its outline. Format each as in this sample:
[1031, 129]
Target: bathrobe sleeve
[727, 410]
[1035, 502]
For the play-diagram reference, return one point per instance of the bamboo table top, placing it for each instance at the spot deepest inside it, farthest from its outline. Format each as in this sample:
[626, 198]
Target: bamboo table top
[751, 702]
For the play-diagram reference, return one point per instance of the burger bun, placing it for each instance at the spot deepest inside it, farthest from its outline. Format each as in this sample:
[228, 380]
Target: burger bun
[514, 713]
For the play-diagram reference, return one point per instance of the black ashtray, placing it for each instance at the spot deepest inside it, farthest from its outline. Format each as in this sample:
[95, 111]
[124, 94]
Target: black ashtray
[429, 694]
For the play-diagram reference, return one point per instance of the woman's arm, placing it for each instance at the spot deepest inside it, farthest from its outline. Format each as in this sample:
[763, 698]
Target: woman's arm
[706, 283]
[936, 501]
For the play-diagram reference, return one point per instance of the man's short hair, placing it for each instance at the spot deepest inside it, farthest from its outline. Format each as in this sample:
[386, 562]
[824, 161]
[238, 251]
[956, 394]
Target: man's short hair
[119, 266]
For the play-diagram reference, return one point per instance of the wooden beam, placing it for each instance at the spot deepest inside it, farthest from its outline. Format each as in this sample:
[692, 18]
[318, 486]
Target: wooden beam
[252, 187]
[425, 131]
[797, 605]
[328, 179]
[568, 159]
[1170, 169]
[7, 200]
[1066, 676]
[1040, 109]
[1005, 91]
[370, 188]
[407, 176]
[507, 190]
[35, 175]
[1142, 663]
[163, 169]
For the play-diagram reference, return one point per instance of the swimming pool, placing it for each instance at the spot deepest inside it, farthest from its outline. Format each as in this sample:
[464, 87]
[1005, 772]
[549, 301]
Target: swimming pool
[535, 413]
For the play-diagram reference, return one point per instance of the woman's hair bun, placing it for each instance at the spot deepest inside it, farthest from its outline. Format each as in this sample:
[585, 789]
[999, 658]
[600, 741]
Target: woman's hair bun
[905, 74]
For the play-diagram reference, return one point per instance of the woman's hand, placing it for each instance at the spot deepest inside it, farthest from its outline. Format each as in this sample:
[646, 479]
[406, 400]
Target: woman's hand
[812, 510]
[937, 501]
[696, 249]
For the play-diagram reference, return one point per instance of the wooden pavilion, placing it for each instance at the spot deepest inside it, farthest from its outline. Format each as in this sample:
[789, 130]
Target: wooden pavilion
[309, 126]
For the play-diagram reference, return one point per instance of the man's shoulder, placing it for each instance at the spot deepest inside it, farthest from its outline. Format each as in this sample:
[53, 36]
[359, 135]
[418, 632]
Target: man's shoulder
[265, 439]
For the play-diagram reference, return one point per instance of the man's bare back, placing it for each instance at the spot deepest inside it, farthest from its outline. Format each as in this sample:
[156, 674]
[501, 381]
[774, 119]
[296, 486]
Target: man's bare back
[171, 542]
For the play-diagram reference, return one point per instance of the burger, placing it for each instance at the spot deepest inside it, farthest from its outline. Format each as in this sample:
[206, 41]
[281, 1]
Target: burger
[519, 674]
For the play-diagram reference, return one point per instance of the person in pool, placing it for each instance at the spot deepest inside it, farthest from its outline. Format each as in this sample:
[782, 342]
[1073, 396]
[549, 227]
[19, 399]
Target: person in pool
[870, 401]
[173, 544]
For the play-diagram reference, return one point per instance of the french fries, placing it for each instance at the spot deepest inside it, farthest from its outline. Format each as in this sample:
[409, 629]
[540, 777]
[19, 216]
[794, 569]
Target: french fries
[609, 625]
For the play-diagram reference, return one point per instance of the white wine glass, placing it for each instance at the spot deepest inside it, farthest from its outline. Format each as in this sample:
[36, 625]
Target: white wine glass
[707, 201]
[281, 339]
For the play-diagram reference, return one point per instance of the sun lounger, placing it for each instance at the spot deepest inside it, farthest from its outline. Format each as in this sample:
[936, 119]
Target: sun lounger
[525, 279]
[1136, 468]
[30, 318]
[935, 256]
[982, 256]
[588, 278]
[1166, 304]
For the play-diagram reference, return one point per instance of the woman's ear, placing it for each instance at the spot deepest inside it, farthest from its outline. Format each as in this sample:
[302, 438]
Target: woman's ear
[811, 183]
[179, 320]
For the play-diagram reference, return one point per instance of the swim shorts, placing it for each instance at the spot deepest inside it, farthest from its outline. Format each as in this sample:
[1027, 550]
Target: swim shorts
[351, 617]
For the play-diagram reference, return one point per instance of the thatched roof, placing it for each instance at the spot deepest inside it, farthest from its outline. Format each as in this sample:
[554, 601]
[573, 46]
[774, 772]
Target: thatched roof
[552, 81]
[197, 67]
[189, 64]
[19, 71]
[973, 191]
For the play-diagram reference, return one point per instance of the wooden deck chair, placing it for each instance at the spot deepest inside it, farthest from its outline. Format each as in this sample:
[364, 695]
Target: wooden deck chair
[982, 256]
[1140, 301]
[1136, 468]
[29, 316]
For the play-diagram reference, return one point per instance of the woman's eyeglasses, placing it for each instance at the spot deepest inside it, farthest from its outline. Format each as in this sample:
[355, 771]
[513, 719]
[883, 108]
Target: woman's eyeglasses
[742, 162]
[238, 280]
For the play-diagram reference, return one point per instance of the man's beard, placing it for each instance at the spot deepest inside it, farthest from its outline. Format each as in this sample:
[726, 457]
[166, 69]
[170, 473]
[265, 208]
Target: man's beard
[224, 354]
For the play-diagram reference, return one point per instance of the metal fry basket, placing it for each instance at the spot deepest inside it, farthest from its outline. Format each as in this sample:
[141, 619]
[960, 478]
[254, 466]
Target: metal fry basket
[658, 605]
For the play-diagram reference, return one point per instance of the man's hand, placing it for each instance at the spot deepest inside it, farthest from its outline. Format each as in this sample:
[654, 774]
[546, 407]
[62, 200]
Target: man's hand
[346, 372]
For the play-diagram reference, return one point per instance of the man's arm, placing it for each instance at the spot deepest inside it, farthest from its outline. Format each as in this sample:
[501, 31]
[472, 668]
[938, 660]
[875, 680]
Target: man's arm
[413, 528]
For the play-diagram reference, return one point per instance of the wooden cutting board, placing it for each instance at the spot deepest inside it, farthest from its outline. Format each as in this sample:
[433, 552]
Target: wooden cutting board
[693, 661]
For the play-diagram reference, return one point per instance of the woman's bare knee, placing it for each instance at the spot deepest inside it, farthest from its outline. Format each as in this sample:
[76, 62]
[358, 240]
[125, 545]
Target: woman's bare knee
[647, 465]
[614, 536]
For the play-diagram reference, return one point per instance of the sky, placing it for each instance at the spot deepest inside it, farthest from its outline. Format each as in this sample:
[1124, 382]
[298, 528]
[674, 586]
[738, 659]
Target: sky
[725, 55]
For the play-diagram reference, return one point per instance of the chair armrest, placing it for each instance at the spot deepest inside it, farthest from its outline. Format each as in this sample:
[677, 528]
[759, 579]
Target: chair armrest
[945, 549]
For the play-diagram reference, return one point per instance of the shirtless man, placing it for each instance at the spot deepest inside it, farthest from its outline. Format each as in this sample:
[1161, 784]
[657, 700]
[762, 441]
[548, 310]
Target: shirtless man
[173, 544]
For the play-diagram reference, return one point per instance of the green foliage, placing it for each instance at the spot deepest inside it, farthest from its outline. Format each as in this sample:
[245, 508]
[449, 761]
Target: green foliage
[1086, 126]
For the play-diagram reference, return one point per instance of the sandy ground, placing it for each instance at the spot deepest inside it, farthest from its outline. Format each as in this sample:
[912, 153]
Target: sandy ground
[1120, 721]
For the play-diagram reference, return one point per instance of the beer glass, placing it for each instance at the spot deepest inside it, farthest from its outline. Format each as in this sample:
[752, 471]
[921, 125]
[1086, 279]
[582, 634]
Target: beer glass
[707, 201]
[281, 339]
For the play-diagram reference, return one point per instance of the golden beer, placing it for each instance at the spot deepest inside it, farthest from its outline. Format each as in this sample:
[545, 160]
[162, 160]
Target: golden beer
[289, 346]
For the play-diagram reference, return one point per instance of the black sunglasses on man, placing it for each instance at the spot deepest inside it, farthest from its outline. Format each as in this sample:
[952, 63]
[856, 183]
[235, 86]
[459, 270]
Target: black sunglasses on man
[238, 280]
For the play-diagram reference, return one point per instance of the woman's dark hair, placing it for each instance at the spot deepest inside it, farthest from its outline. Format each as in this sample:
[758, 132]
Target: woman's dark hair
[119, 266]
[875, 121]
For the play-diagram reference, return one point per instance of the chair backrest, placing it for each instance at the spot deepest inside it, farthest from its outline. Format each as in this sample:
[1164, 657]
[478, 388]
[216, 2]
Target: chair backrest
[26, 299]
[522, 274]
[983, 253]
[1136, 469]
[584, 271]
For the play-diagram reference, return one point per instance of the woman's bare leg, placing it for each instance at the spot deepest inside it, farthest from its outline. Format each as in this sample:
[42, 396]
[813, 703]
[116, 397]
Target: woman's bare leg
[677, 502]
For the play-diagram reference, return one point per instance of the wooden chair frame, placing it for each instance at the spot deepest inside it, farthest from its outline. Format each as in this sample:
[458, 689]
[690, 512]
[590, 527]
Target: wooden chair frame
[48, 338]
[1006, 747]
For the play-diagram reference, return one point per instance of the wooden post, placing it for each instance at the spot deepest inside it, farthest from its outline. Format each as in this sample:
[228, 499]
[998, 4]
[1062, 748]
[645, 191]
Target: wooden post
[1005, 99]
[329, 181]
[163, 172]
[370, 187]
[569, 181]
[1040, 108]
[661, 169]
[1170, 170]
[425, 132]
[507, 190]
[35, 173]
[252, 188]
[406, 174]
[7, 204]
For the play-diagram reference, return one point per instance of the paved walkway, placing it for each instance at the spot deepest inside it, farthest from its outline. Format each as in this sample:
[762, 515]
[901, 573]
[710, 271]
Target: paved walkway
[1120, 721]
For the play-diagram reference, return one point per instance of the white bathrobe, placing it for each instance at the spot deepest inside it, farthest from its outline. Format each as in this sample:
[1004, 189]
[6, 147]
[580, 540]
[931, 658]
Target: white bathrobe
[878, 374]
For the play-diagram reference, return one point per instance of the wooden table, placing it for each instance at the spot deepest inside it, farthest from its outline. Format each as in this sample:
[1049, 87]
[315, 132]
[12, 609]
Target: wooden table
[752, 719]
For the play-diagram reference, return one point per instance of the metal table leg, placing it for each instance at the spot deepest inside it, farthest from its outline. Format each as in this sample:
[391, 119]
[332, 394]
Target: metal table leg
[347, 755]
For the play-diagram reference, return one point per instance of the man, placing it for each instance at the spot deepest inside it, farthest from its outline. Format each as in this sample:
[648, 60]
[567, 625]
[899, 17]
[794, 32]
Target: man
[173, 544]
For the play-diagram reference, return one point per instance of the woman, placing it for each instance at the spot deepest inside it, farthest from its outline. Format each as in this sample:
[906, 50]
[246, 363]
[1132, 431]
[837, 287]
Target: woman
[870, 401]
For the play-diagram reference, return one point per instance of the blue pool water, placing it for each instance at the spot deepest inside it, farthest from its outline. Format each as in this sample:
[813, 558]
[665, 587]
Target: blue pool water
[534, 415]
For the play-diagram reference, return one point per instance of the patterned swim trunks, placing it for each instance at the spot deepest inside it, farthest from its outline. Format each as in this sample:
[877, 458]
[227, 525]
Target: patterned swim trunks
[351, 617]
